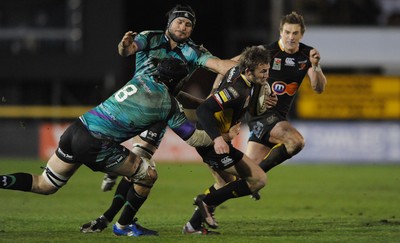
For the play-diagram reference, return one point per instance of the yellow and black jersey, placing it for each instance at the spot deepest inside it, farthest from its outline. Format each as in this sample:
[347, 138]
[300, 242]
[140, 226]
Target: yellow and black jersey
[227, 105]
[286, 73]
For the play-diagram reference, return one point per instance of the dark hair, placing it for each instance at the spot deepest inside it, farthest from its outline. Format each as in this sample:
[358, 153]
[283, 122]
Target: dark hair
[184, 11]
[293, 18]
[170, 71]
[253, 56]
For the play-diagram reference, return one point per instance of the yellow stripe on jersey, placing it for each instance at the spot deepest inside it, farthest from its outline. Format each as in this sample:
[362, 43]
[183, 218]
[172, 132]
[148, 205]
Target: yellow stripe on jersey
[247, 82]
[225, 120]
[218, 98]
[223, 96]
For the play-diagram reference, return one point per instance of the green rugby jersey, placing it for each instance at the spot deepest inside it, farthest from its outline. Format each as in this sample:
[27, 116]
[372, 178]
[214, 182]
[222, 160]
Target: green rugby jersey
[139, 104]
[155, 44]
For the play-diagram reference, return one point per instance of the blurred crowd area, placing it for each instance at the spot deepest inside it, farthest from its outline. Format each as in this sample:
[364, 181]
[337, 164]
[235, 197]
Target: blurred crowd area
[351, 12]
[64, 52]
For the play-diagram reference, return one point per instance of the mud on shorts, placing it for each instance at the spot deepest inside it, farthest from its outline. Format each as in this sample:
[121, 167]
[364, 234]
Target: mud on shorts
[78, 145]
[260, 127]
[220, 161]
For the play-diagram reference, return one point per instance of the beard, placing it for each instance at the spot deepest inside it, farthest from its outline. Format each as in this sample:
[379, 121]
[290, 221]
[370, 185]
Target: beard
[176, 38]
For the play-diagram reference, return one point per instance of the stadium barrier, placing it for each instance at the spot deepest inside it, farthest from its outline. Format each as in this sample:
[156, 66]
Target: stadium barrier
[352, 97]
[326, 142]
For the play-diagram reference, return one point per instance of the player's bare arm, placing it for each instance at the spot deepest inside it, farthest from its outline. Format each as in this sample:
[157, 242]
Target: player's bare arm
[317, 77]
[127, 46]
[220, 66]
[219, 77]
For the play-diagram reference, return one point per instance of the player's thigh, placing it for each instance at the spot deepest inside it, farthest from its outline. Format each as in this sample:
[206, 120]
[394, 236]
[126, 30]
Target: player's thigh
[62, 168]
[256, 151]
[221, 178]
[129, 167]
[283, 132]
[143, 144]
[55, 175]
[251, 172]
[246, 168]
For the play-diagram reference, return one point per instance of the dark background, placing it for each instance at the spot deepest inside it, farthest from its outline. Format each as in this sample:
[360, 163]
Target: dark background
[44, 63]
[64, 52]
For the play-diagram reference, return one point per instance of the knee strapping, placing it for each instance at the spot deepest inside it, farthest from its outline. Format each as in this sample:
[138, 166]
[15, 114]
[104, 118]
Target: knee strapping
[145, 174]
[144, 152]
[142, 170]
[54, 178]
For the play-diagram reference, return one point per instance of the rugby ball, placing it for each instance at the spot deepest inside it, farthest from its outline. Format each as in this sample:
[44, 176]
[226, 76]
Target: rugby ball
[265, 91]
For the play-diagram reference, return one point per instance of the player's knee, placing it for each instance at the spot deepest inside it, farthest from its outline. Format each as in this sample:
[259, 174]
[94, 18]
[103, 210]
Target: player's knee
[153, 175]
[299, 145]
[261, 182]
[149, 180]
[295, 145]
[258, 182]
[146, 174]
[42, 186]
[48, 182]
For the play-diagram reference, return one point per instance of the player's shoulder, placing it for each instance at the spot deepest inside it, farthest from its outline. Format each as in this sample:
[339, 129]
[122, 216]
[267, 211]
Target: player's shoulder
[148, 84]
[199, 49]
[232, 74]
[304, 46]
[234, 83]
[149, 34]
[272, 46]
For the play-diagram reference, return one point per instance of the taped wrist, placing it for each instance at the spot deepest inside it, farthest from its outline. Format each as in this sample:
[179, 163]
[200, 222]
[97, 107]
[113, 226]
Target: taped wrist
[317, 68]
[199, 139]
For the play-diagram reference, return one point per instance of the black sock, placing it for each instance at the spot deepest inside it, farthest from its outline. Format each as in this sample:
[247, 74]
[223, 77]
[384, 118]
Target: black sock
[17, 181]
[133, 202]
[119, 199]
[233, 189]
[277, 155]
[196, 218]
[210, 189]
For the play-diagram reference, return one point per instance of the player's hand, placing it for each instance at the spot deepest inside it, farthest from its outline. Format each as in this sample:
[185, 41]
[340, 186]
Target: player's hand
[314, 57]
[272, 100]
[220, 146]
[128, 38]
[234, 131]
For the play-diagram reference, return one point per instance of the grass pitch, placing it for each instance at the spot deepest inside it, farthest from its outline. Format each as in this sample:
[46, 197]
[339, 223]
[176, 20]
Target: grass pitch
[301, 203]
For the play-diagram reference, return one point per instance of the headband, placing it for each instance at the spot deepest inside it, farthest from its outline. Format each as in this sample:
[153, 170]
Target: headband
[184, 14]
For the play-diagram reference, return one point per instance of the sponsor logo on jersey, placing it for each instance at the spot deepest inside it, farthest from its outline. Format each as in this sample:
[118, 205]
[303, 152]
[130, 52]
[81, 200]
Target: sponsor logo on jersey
[65, 155]
[257, 129]
[280, 88]
[230, 75]
[289, 61]
[277, 64]
[226, 160]
[152, 134]
[218, 98]
[144, 134]
[224, 95]
[302, 64]
[4, 180]
[233, 91]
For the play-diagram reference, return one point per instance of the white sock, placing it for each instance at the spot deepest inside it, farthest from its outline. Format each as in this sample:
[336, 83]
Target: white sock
[189, 226]
[120, 226]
